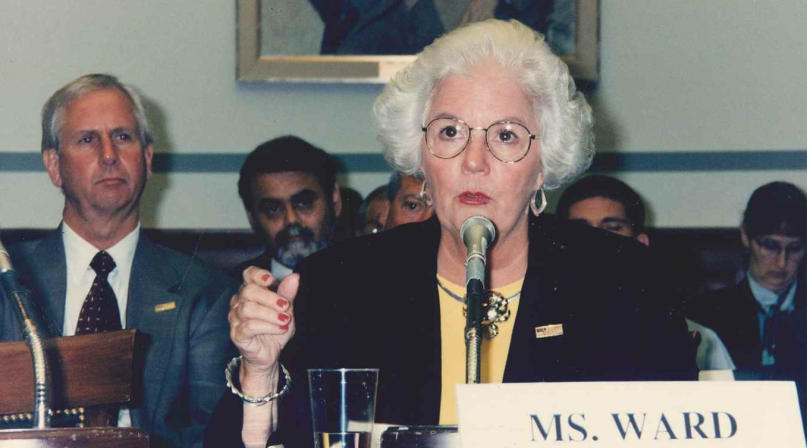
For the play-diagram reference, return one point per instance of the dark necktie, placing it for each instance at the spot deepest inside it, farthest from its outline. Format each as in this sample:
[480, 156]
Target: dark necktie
[769, 329]
[100, 310]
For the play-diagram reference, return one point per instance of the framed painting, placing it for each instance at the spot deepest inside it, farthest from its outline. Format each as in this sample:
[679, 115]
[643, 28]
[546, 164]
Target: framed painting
[368, 41]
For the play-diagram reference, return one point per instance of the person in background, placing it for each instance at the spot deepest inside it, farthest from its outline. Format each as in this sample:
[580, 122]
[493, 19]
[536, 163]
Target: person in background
[605, 203]
[373, 212]
[608, 203]
[406, 26]
[98, 272]
[289, 191]
[408, 201]
[747, 315]
[346, 221]
[404, 202]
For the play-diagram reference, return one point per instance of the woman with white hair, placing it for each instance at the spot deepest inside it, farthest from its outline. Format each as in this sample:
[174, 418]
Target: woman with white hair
[489, 117]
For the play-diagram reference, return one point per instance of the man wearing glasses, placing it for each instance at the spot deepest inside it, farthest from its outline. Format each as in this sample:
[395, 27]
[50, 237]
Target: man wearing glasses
[406, 202]
[749, 316]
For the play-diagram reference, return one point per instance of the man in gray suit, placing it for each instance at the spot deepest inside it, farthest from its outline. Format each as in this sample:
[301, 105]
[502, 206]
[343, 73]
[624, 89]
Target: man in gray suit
[98, 272]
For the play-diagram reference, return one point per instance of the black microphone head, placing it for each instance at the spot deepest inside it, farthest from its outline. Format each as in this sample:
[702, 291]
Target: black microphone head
[475, 228]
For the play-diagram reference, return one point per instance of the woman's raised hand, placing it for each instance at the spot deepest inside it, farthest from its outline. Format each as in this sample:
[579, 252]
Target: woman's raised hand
[262, 322]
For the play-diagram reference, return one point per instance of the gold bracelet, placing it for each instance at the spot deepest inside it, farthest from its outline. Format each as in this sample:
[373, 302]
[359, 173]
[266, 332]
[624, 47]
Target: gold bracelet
[230, 371]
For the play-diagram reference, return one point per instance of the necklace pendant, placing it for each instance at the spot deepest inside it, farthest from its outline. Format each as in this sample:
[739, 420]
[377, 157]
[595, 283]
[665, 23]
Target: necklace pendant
[496, 311]
[496, 308]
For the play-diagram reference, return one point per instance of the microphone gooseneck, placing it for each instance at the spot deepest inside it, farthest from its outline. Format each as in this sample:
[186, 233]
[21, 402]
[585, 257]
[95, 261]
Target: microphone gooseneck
[477, 233]
[28, 319]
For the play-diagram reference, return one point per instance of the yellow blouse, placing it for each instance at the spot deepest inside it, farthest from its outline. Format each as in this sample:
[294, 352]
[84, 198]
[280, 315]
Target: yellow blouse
[452, 330]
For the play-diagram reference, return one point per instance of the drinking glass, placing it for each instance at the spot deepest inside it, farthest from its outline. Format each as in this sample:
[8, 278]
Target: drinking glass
[343, 406]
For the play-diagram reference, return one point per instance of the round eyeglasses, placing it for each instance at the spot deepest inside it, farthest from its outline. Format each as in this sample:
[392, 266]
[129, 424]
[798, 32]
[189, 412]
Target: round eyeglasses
[506, 140]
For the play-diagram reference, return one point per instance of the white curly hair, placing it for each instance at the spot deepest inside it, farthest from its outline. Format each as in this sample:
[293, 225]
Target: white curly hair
[564, 116]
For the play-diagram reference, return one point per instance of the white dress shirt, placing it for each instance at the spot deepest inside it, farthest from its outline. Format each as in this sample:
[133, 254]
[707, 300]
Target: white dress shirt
[80, 276]
[280, 270]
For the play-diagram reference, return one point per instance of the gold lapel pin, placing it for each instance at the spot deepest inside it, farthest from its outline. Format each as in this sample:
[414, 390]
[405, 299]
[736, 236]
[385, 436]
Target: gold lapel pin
[165, 307]
[548, 331]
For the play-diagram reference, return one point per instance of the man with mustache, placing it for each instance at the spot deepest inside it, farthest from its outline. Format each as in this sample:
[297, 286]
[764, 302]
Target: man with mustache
[749, 315]
[97, 272]
[289, 191]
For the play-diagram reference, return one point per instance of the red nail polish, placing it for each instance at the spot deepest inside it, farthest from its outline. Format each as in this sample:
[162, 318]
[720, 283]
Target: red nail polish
[284, 327]
[265, 277]
[282, 303]
[283, 317]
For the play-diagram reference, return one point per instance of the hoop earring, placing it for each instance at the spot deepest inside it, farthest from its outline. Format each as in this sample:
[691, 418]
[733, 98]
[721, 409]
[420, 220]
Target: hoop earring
[536, 206]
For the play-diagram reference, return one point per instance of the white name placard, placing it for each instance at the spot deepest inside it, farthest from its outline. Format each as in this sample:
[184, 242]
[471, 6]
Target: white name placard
[744, 414]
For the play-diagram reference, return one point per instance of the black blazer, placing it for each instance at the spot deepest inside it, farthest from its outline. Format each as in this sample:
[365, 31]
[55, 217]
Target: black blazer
[373, 302]
[733, 314]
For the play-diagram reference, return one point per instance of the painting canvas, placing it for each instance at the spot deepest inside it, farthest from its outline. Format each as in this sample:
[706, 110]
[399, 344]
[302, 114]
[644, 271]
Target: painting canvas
[369, 40]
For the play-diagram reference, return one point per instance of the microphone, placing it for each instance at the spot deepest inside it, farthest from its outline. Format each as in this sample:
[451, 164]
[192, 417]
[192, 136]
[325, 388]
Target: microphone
[478, 233]
[27, 316]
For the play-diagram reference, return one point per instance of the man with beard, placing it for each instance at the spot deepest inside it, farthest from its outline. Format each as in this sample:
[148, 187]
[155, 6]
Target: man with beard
[289, 191]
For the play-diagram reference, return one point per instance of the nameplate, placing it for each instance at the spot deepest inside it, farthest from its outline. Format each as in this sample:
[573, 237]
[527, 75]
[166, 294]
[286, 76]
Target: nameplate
[744, 414]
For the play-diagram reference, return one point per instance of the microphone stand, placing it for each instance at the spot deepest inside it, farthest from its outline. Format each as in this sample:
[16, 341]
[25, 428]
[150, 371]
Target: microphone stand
[477, 233]
[473, 330]
[26, 315]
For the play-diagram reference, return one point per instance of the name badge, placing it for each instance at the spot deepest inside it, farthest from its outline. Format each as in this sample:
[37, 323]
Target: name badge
[548, 331]
[165, 307]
